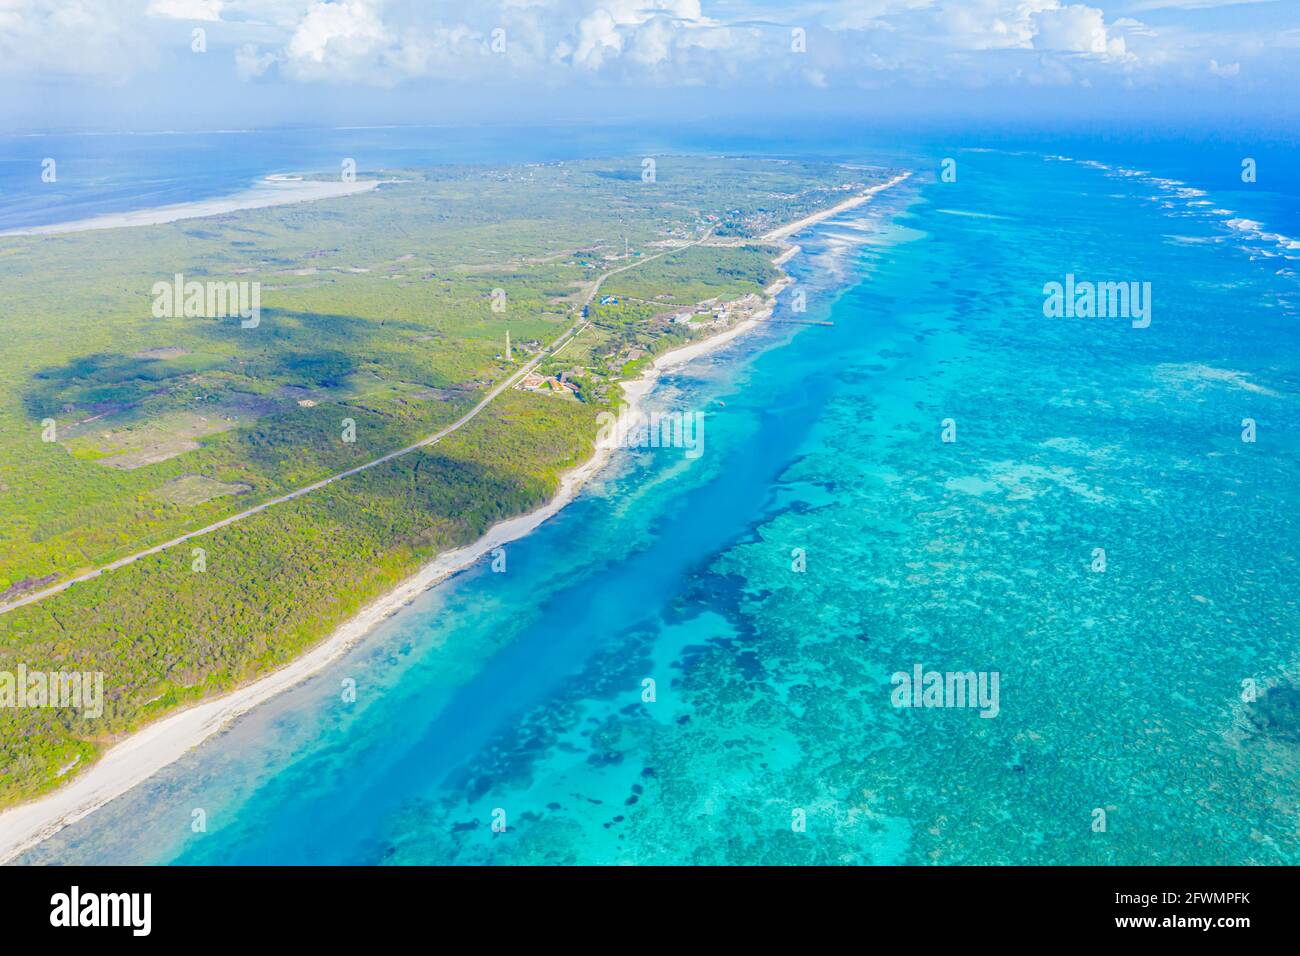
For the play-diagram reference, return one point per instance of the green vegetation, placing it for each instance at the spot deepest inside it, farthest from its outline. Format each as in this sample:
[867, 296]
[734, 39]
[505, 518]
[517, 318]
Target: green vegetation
[375, 308]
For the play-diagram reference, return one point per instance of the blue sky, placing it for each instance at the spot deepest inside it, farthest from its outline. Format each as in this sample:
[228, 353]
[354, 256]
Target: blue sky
[132, 64]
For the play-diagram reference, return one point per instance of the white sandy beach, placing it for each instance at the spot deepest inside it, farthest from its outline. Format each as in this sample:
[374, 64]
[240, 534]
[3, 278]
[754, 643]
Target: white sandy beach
[783, 232]
[271, 191]
[145, 752]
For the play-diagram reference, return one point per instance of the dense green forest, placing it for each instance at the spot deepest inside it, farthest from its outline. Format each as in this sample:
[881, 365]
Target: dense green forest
[121, 429]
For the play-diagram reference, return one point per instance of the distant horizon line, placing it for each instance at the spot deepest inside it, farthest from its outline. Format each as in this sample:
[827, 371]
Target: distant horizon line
[1283, 125]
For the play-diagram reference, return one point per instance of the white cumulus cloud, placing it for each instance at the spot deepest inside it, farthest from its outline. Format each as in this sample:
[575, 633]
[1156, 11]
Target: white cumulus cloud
[851, 44]
[185, 9]
[1075, 29]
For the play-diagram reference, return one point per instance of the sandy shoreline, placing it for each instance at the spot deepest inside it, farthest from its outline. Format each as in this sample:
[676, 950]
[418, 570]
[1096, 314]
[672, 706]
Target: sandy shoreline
[783, 232]
[146, 751]
[275, 190]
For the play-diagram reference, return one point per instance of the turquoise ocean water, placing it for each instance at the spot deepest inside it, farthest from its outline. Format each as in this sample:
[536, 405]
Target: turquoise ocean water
[520, 697]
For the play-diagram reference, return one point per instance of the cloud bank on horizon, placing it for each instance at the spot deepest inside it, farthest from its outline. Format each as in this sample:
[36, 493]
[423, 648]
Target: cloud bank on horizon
[820, 45]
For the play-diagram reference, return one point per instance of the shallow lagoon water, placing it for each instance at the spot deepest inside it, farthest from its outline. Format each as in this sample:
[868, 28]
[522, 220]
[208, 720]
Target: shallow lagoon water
[519, 696]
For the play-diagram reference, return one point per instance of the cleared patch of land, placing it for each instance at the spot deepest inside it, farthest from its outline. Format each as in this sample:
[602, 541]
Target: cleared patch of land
[190, 490]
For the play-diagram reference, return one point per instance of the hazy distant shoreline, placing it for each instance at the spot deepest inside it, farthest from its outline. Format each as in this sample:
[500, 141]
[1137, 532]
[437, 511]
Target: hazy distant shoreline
[276, 190]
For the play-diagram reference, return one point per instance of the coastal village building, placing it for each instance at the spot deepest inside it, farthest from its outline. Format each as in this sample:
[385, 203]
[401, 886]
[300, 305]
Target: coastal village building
[549, 384]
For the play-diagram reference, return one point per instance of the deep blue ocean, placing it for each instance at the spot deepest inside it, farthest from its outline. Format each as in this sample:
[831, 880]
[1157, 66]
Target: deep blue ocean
[1098, 533]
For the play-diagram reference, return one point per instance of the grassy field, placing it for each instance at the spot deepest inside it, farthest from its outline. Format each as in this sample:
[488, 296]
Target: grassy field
[376, 309]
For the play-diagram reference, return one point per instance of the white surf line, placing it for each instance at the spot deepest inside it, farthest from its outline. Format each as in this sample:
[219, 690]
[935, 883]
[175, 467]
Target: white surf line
[567, 336]
[783, 232]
